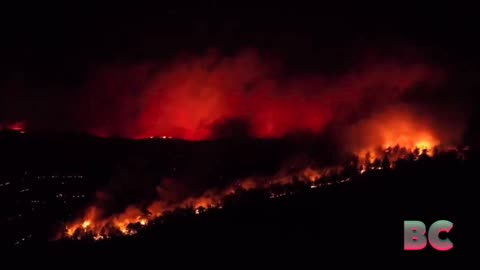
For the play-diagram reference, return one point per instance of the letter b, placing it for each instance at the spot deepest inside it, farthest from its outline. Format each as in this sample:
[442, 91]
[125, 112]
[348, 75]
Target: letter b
[414, 235]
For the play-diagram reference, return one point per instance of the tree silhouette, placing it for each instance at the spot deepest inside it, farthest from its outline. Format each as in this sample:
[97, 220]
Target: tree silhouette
[200, 210]
[416, 151]
[386, 162]
[376, 163]
[424, 156]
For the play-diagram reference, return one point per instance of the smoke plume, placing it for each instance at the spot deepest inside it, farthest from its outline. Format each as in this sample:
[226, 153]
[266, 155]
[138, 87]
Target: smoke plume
[208, 96]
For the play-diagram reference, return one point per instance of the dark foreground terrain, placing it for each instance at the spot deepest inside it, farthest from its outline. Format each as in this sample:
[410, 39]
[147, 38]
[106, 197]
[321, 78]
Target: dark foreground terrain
[362, 218]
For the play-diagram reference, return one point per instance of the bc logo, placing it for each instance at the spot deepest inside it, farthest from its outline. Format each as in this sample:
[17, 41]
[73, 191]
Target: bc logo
[415, 235]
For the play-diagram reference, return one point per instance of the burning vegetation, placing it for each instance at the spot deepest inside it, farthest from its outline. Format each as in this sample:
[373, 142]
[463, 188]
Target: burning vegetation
[212, 96]
[399, 132]
[96, 227]
[382, 142]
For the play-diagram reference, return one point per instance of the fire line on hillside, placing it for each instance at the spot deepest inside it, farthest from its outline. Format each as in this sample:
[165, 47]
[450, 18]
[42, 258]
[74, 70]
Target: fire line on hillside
[417, 145]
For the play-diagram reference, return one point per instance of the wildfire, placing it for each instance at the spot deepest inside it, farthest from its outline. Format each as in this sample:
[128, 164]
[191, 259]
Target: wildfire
[100, 228]
[128, 222]
[201, 94]
[393, 134]
[85, 224]
[384, 141]
[19, 127]
[133, 219]
[160, 137]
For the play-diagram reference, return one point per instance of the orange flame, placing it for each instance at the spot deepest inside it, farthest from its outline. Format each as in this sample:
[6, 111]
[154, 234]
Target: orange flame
[100, 228]
[394, 136]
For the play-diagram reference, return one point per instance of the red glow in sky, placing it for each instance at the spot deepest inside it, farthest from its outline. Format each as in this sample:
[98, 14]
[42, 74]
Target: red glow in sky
[16, 126]
[186, 98]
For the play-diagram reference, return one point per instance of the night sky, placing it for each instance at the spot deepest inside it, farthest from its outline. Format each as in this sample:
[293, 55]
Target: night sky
[57, 62]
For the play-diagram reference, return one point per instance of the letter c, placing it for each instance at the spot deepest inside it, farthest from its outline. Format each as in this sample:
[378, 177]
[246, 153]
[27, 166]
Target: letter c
[433, 235]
